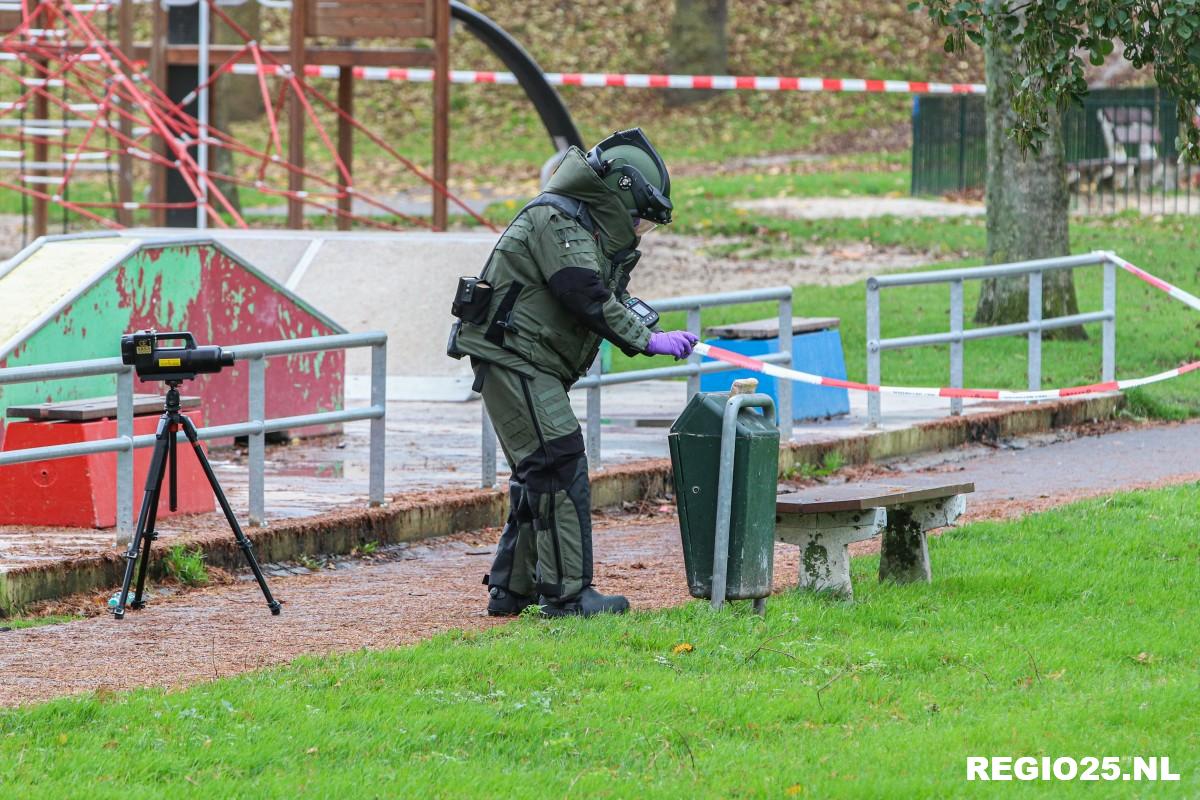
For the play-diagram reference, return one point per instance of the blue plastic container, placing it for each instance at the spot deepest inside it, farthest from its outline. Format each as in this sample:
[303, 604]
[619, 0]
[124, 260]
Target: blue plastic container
[818, 352]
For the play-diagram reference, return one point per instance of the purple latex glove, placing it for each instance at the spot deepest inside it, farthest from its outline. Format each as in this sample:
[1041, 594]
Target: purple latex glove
[674, 343]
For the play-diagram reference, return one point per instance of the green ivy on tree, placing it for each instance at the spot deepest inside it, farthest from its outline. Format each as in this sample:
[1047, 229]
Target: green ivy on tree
[1052, 38]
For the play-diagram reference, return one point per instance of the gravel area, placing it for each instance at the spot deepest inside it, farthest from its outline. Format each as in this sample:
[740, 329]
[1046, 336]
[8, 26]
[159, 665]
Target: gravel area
[209, 633]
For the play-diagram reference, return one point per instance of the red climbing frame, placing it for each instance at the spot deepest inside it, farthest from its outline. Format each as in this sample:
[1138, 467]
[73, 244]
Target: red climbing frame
[58, 51]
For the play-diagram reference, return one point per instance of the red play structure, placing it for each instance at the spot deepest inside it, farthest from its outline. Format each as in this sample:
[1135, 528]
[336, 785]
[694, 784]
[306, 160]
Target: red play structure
[83, 102]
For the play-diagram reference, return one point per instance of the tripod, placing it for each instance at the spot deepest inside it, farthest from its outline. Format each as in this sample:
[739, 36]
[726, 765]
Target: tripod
[162, 463]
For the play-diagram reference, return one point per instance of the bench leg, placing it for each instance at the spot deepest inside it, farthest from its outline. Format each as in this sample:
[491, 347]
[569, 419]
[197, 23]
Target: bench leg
[823, 540]
[904, 555]
[825, 565]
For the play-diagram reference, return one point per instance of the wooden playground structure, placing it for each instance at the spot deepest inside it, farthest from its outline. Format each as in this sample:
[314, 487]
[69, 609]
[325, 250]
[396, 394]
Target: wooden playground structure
[58, 43]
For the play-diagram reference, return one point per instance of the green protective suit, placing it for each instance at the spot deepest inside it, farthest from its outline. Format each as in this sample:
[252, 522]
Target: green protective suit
[557, 291]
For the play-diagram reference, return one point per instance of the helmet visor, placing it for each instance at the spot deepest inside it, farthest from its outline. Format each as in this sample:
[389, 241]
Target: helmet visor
[642, 226]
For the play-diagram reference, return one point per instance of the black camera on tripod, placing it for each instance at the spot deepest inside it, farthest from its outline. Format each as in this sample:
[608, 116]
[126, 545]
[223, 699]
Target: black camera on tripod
[174, 365]
[141, 351]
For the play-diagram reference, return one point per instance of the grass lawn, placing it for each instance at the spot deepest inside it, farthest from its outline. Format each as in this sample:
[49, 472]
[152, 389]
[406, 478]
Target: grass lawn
[32, 622]
[1069, 633]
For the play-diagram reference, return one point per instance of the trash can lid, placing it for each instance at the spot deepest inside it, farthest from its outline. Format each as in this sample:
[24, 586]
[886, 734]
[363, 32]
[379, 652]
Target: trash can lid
[769, 328]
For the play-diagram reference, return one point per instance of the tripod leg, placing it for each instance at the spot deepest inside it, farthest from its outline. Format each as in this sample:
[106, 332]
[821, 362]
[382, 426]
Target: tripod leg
[151, 534]
[146, 517]
[243, 542]
[171, 471]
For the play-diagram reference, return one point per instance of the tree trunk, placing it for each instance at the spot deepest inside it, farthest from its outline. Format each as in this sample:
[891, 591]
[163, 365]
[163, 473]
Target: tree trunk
[1027, 207]
[241, 95]
[697, 45]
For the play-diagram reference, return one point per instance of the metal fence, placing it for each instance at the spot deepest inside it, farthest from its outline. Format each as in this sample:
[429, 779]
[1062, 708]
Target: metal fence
[596, 378]
[949, 144]
[257, 426]
[956, 336]
[1119, 147]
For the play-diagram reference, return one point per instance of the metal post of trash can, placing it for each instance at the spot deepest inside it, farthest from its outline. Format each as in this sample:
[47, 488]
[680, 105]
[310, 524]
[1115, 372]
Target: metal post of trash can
[725, 490]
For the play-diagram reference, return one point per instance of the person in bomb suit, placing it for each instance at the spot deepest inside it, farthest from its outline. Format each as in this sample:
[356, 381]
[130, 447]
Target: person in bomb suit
[554, 286]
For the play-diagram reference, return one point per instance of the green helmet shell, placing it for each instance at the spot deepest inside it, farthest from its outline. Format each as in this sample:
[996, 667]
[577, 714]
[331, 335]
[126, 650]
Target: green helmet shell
[628, 154]
[630, 166]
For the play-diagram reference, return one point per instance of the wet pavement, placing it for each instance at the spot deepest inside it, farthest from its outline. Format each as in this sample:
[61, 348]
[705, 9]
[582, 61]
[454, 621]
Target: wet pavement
[431, 446]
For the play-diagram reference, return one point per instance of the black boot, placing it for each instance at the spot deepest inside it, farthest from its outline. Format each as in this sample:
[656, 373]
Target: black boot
[503, 603]
[587, 603]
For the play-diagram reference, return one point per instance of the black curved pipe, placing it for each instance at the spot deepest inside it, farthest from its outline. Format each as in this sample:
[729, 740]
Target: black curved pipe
[545, 99]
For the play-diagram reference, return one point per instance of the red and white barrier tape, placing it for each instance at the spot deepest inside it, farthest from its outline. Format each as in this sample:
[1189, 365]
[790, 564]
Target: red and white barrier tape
[1003, 395]
[640, 81]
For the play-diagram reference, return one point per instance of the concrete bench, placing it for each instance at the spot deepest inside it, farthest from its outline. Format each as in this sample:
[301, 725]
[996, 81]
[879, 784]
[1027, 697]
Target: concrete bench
[824, 521]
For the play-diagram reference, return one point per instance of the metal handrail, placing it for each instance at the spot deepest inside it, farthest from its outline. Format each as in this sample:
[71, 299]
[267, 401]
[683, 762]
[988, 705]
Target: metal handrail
[989, 271]
[692, 370]
[957, 335]
[255, 428]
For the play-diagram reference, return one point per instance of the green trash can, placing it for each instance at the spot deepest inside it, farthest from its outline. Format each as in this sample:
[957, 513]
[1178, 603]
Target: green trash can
[695, 442]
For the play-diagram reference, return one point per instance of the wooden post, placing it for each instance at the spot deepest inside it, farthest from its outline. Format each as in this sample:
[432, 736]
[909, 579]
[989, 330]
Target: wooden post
[345, 133]
[41, 153]
[296, 114]
[441, 110]
[158, 74]
[124, 160]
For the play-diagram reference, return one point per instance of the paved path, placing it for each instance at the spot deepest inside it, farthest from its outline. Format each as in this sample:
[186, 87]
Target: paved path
[1054, 467]
[432, 447]
[434, 586]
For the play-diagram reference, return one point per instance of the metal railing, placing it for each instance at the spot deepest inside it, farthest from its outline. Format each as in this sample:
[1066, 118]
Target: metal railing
[957, 335]
[693, 369]
[255, 428]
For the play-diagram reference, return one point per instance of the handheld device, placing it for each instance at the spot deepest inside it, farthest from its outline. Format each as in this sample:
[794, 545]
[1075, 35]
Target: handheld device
[643, 311]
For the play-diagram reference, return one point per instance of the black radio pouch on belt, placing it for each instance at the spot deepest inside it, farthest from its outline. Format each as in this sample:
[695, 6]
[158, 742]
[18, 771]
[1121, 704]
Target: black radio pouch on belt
[471, 300]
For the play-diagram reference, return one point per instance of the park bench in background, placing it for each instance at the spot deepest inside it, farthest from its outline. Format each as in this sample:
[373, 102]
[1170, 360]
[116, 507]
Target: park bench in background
[824, 521]
[1131, 142]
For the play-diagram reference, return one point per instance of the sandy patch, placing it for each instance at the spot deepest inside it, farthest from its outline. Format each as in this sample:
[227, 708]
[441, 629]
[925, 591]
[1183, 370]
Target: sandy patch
[673, 265]
[859, 207]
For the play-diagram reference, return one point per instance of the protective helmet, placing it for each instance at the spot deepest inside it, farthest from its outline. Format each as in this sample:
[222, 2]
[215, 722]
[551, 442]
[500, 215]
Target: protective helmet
[630, 165]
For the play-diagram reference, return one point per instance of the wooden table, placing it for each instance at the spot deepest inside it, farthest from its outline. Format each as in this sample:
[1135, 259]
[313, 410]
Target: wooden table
[823, 521]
